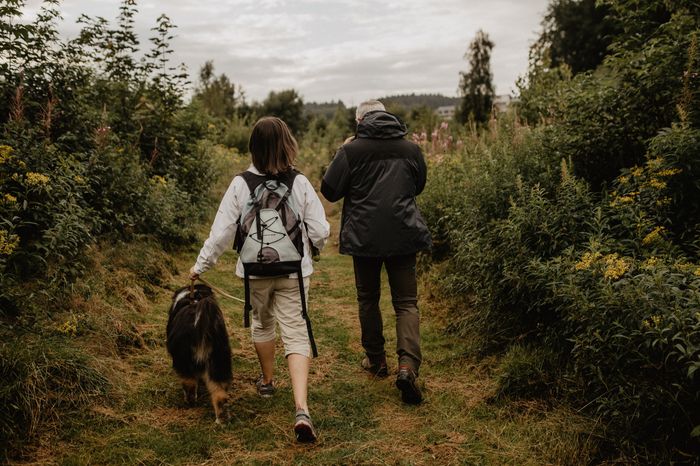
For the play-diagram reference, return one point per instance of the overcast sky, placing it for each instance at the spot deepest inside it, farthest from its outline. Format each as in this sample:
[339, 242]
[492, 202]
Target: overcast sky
[335, 49]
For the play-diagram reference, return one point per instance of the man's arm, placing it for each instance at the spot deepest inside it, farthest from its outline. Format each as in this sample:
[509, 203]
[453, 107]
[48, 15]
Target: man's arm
[337, 178]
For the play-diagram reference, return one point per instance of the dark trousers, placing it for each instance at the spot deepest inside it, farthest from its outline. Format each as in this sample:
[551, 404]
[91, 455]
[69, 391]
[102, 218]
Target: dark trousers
[404, 297]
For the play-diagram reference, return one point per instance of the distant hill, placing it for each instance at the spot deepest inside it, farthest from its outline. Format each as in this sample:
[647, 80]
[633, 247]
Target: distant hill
[418, 100]
[322, 109]
[327, 109]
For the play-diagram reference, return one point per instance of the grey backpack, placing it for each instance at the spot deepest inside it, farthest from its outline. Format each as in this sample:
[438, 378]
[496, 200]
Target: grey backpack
[269, 237]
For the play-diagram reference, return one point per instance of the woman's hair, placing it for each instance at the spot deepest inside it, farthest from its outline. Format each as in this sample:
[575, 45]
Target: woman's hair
[272, 146]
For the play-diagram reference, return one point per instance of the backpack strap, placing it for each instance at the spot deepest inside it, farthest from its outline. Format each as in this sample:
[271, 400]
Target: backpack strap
[253, 181]
[247, 306]
[305, 314]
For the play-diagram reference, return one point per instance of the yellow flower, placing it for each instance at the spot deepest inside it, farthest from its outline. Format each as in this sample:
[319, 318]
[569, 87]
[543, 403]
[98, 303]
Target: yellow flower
[653, 321]
[624, 179]
[664, 201]
[685, 267]
[637, 172]
[697, 272]
[655, 163]
[9, 199]
[587, 260]
[650, 263]
[5, 154]
[654, 236]
[615, 267]
[669, 172]
[79, 179]
[626, 199]
[657, 184]
[69, 327]
[8, 243]
[35, 180]
[157, 179]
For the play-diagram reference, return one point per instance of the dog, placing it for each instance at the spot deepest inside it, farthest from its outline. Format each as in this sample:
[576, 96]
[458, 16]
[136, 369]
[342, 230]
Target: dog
[198, 344]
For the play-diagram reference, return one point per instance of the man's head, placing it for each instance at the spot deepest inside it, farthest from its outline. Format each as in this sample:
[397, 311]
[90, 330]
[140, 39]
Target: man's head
[368, 106]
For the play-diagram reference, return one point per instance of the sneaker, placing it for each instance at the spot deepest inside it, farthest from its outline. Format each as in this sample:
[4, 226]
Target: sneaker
[406, 383]
[265, 390]
[304, 428]
[377, 369]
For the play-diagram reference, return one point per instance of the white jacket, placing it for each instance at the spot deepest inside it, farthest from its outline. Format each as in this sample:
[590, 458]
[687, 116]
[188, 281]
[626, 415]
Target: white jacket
[223, 230]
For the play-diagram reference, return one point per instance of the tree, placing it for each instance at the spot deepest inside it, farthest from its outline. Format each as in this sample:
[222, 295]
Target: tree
[476, 86]
[289, 106]
[218, 95]
[576, 33]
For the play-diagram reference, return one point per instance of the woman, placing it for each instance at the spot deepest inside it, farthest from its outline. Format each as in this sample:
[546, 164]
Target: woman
[273, 150]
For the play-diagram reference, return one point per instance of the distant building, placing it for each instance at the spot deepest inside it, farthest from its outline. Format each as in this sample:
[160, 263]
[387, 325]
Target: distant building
[446, 112]
[502, 102]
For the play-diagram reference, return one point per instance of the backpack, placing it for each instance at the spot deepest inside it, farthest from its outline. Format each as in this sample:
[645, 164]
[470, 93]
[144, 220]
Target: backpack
[269, 237]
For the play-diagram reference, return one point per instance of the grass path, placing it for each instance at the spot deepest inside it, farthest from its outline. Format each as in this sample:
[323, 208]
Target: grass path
[360, 420]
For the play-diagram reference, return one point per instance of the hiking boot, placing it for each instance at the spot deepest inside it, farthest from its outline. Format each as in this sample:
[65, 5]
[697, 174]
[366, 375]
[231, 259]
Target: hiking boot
[265, 390]
[378, 369]
[406, 383]
[304, 428]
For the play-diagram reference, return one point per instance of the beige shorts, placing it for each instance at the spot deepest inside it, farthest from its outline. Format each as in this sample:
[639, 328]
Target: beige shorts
[278, 300]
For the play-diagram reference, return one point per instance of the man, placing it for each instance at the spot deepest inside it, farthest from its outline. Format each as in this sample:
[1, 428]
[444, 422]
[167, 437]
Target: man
[379, 174]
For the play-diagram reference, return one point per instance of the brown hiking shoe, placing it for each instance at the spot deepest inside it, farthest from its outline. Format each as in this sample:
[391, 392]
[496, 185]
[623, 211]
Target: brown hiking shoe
[406, 383]
[378, 369]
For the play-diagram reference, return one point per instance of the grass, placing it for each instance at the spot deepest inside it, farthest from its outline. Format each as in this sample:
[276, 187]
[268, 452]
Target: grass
[360, 420]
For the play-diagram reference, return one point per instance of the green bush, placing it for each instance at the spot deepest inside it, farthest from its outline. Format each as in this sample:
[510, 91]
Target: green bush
[607, 116]
[94, 143]
[43, 379]
[634, 330]
[96, 146]
[526, 372]
[573, 245]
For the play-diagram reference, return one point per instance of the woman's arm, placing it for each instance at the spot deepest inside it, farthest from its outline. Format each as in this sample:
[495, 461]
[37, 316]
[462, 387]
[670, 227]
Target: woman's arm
[223, 229]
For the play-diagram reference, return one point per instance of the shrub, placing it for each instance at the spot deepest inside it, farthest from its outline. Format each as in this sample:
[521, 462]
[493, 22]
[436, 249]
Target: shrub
[526, 372]
[42, 379]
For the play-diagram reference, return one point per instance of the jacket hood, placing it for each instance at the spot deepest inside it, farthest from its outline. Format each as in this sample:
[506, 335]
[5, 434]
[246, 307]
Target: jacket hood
[381, 125]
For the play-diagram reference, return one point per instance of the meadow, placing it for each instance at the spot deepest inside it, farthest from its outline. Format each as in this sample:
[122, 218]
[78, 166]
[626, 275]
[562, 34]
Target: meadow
[560, 302]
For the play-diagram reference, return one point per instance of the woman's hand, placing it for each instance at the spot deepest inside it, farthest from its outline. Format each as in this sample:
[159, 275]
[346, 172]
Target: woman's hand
[193, 275]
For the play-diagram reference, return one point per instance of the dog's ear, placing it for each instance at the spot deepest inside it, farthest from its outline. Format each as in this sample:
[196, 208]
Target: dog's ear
[178, 291]
[202, 291]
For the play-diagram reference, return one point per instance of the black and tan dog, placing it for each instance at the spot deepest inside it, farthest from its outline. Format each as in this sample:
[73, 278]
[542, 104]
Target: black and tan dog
[198, 343]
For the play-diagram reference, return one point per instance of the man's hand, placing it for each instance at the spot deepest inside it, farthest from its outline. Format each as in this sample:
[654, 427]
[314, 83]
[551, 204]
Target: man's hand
[350, 139]
[193, 276]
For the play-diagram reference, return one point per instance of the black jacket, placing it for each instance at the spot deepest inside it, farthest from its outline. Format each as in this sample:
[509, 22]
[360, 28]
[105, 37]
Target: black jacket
[379, 174]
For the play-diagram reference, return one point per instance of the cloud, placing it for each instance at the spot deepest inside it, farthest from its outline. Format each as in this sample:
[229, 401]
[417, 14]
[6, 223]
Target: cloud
[330, 49]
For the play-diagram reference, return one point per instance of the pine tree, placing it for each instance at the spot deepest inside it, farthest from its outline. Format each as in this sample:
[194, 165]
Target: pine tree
[476, 86]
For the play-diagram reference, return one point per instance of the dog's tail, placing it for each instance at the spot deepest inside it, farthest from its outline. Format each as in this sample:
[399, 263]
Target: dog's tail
[211, 328]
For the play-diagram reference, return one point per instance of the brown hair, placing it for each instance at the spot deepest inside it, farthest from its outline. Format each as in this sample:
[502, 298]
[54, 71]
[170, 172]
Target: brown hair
[272, 146]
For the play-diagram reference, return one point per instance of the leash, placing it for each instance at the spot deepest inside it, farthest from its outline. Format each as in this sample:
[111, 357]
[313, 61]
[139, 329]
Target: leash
[215, 288]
